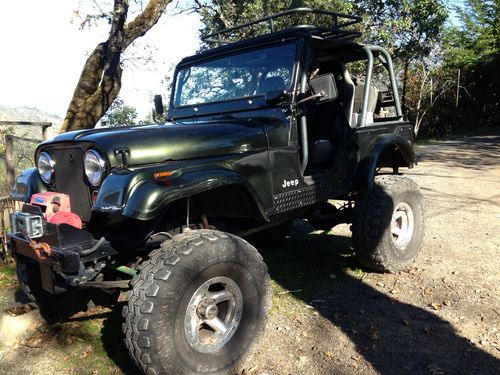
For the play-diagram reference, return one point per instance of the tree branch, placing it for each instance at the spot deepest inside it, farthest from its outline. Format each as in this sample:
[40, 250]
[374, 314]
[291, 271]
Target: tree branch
[145, 21]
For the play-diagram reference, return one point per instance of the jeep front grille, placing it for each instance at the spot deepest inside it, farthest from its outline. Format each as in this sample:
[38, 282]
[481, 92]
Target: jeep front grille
[70, 179]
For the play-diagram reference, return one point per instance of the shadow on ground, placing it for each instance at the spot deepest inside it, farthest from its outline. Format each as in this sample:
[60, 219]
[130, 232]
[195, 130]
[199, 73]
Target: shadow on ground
[478, 152]
[394, 337]
[112, 338]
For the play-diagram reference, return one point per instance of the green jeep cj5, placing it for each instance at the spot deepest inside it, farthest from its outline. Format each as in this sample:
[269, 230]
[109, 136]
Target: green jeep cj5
[260, 131]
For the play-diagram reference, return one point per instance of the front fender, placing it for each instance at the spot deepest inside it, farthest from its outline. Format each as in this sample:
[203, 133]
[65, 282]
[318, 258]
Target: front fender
[27, 184]
[368, 164]
[139, 196]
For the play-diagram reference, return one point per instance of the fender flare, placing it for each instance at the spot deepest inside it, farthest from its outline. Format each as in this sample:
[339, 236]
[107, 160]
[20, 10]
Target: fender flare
[368, 164]
[145, 198]
[27, 184]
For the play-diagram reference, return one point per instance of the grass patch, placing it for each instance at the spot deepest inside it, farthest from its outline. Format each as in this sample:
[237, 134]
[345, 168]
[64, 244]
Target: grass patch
[7, 275]
[90, 343]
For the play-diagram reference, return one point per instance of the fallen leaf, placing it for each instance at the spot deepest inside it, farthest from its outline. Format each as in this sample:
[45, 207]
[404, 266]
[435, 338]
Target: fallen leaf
[329, 354]
[252, 369]
[436, 306]
[86, 352]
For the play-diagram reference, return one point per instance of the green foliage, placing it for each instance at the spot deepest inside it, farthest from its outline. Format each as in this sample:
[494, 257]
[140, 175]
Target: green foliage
[477, 39]
[217, 14]
[4, 130]
[473, 48]
[408, 29]
[119, 114]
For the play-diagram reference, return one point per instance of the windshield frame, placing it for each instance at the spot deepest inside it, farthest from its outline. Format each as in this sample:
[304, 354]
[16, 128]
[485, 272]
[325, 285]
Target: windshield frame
[236, 103]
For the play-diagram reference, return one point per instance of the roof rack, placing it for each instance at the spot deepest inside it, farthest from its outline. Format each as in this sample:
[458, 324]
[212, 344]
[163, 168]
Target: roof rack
[337, 26]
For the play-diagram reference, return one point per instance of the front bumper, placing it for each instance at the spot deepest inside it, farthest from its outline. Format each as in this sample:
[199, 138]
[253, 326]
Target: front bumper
[72, 254]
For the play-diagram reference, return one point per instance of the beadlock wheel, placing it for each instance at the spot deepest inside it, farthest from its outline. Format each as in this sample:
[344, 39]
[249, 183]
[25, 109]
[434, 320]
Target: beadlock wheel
[402, 225]
[213, 314]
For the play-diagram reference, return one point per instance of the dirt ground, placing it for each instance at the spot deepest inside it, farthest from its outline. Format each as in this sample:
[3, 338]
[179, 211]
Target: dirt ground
[329, 316]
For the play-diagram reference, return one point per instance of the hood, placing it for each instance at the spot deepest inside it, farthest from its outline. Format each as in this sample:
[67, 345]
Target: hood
[160, 143]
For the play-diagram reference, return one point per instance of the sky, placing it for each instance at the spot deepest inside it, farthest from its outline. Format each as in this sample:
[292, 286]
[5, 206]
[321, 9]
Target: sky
[43, 51]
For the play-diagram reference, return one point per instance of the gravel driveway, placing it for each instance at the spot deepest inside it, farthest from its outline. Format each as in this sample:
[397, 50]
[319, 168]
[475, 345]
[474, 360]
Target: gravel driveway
[441, 316]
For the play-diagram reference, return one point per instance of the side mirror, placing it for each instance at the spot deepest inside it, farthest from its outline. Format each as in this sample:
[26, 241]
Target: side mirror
[324, 87]
[276, 96]
[158, 101]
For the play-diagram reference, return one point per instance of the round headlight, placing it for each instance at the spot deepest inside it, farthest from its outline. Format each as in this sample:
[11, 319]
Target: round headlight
[46, 167]
[95, 167]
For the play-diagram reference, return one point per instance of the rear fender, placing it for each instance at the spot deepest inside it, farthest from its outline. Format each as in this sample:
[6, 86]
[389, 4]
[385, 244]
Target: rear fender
[368, 164]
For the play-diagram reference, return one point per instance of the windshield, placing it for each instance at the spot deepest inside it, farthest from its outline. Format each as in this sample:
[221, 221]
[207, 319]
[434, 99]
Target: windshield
[246, 74]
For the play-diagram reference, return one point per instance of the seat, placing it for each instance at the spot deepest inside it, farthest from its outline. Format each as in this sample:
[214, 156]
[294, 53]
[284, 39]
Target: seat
[358, 102]
[321, 155]
[327, 127]
[347, 95]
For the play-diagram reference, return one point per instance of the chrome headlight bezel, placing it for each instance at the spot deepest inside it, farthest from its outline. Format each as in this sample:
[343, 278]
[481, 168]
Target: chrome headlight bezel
[45, 165]
[94, 166]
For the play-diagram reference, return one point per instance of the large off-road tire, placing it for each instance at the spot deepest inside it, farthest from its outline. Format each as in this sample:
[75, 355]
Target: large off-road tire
[26, 271]
[197, 305]
[55, 308]
[388, 224]
[50, 306]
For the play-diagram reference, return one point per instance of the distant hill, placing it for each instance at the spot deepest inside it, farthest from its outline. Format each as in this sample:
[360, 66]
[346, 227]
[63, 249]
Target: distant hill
[30, 114]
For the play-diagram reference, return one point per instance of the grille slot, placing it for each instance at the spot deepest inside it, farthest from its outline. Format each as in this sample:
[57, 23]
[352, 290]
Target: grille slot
[70, 179]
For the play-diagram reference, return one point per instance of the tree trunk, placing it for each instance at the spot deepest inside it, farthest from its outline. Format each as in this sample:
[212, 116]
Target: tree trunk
[100, 80]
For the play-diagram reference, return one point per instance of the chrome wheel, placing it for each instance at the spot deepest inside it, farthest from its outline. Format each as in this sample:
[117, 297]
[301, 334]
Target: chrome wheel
[402, 225]
[213, 314]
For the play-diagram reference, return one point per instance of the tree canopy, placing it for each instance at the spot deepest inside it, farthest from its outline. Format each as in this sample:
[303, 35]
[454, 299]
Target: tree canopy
[448, 71]
[119, 114]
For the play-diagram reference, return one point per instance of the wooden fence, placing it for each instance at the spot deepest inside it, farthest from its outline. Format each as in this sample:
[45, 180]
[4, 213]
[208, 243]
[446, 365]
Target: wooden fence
[19, 153]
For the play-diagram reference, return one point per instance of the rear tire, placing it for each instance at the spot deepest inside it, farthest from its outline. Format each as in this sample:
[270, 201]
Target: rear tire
[197, 305]
[55, 308]
[50, 306]
[388, 224]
